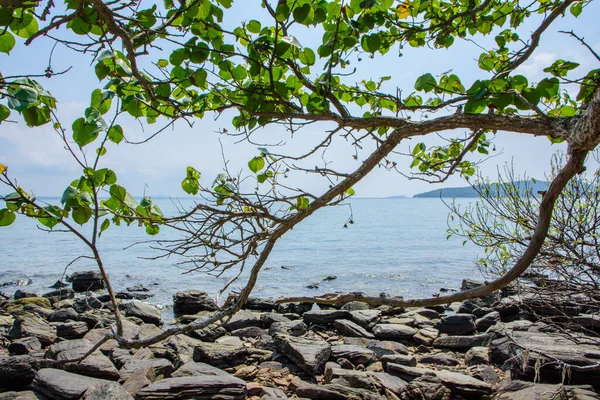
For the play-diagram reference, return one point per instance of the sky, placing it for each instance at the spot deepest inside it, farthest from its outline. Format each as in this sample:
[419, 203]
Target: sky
[37, 158]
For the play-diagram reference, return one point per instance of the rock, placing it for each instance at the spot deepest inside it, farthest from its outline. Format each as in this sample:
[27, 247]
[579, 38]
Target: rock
[26, 395]
[28, 304]
[426, 336]
[355, 354]
[96, 365]
[293, 328]
[161, 367]
[138, 288]
[146, 312]
[63, 315]
[365, 318]
[457, 324]
[468, 284]
[59, 294]
[31, 325]
[21, 294]
[324, 317]
[25, 345]
[467, 307]
[423, 312]
[462, 342]
[71, 329]
[330, 391]
[242, 319]
[58, 384]
[294, 308]
[225, 387]
[487, 320]
[442, 359]
[355, 306]
[220, 355]
[309, 354]
[58, 285]
[88, 303]
[380, 347]
[393, 331]
[139, 379]
[312, 286]
[126, 296]
[486, 374]
[269, 393]
[257, 304]
[249, 332]
[106, 391]
[193, 368]
[87, 281]
[477, 355]
[19, 282]
[17, 371]
[193, 301]
[401, 359]
[518, 390]
[209, 333]
[426, 387]
[348, 328]
[374, 381]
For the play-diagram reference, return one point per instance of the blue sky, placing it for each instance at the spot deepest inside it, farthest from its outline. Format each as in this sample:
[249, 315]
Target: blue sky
[36, 157]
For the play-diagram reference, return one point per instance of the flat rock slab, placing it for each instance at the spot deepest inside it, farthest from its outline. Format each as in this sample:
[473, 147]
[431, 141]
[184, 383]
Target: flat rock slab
[242, 319]
[62, 385]
[365, 318]
[393, 331]
[146, 312]
[161, 366]
[529, 391]
[96, 365]
[225, 387]
[193, 301]
[32, 325]
[309, 354]
[457, 324]
[193, 368]
[463, 342]
[107, 391]
[324, 317]
[220, 355]
[355, 354]
[26, 395]
[352, 329]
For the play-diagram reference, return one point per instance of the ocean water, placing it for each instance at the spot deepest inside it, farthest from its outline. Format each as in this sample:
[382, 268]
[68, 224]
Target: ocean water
[396, 246]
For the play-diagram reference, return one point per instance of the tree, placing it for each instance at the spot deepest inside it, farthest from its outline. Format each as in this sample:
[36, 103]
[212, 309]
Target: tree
[567, 267]
[261, 73]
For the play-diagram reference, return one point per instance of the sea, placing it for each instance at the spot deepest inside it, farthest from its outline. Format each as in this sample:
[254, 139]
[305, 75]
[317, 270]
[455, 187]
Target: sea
[394, 246]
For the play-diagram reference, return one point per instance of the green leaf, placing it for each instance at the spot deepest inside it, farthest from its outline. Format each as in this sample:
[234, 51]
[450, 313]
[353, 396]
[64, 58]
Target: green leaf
[6, 217]
[253, 26]
[7, 42]
[152, 230]
[425, 82]
[371, 43]
[23, 98]
[35, 116]
[282, 13]
[24, 24]
[191, 184]
[302, 203]
[4, 112]
[115, 134]
[81, 215]
[69, 194]
[473, 106]
[118, 192]
[163, 63]
[84, 133]
[350, 192]
[560, 68]
[304, 14]
[576, 8]
[256, 164]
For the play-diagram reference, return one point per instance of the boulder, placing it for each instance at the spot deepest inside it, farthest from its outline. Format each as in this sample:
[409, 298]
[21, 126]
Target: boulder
[355, 354]
[426, 336]
[87, 281]
[462, 342]
[106, 391]
[96, 365]
[27, 324]
[293, 328]
[309, 354]
[59, 294]
[519, 390]
[139, 379]
[193, 368]
[58, 384]
[456, 324]
[146, 312]
[348, 328]
[220, 355]
[22, 294]
[380, 347]
[161, 367]
[324, 317]
[70, 329]
[393, 331]
[477, 355]
[401, 359]
[225, 387]
[242, 319]
[63, 315]
[257, 304]
[441, 359]
[17, 371]
[25, 345]
[355, 306]
[365, 318]
[487, 320]
[468, 284]
[25, 395]
[294, 308]
[193, 301]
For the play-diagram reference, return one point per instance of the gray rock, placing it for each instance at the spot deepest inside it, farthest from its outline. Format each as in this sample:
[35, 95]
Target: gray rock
[355, 354]
[17, 371]
[63, 315]
[242, 319]
[269, 393]
[96, 365]
[293, 328]
[324, 317]
[468, 284]
[486, 374]
[393, 331]
[309, 354]
[426, 336]
[146, 312]
[225, 387]
[401, 359]
[294, 308]
[26, 395]
[70, 329]
[87, 281]
[193, 368]
[269, 318]
[25, 345]
[457, 324]
[55, 349]
[31, 325]
[529, 391]
[355, 306]
[107, 391]
[59, 294]
[22, 294]
[477, 355]
[258, 304]
[348, 328]
[487, 320]
[58, 384]
[161, 367]
[374, 381]
[249, 332]
[365, 318]
[193, 301]
[442, 359]
[462, 342]
[220, 355]
[426, 387]
[380, 347]
[139, 379]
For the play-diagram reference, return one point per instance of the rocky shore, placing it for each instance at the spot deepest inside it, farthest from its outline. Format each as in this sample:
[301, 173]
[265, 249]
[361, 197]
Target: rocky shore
[492, 348]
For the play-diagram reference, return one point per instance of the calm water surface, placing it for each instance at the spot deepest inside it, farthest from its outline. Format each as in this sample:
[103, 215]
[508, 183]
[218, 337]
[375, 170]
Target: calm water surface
[397, 246]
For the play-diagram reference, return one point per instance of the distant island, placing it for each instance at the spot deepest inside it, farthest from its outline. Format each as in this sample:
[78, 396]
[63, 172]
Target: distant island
[468, 191]
[397, 197]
